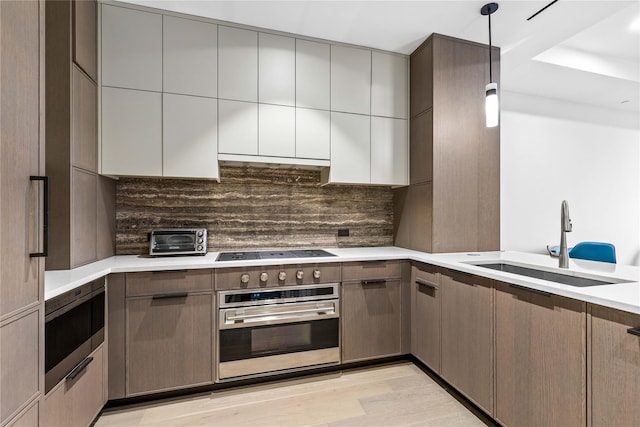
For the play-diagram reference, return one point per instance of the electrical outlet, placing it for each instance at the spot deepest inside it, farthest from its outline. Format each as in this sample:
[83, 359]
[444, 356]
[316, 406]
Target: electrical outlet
[343, 232]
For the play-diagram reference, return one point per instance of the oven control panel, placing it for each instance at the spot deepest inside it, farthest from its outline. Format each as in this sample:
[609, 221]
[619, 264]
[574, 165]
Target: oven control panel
[276, 275]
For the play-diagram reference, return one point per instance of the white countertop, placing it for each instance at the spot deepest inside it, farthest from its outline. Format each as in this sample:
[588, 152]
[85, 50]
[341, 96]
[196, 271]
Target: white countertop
[622, 296]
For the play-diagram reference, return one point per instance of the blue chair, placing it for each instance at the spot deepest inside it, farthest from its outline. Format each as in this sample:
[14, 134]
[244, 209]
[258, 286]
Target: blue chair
[594, 251]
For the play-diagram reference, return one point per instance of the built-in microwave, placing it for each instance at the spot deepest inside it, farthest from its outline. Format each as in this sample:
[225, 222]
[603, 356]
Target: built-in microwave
[178, 242]
[74, 327]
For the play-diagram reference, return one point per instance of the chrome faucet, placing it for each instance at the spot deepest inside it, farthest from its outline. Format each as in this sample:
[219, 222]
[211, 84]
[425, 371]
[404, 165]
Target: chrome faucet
[565, 227]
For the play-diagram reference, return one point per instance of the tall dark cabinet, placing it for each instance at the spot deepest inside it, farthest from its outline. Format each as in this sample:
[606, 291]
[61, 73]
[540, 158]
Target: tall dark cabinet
[453, 201]
[82, 202]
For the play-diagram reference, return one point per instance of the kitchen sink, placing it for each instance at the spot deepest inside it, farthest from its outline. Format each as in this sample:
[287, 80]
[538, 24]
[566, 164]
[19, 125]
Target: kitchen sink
[548, 275]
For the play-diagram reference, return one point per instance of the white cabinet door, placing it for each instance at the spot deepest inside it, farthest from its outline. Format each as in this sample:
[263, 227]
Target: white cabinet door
[350, 148]
[276, 131]
[313, 74]
[189, 57]
[277, 69]
[131, 132]
[388, 85]
[350, 80]
[237, 127]
[313, 134]
[131, 48]
[389, 151]
[189, 136]
[237, 64]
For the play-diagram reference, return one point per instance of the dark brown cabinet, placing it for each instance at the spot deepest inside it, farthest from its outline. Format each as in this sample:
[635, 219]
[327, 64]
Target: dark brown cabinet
[371, 316]
[21, 211]
[79, 232]
[615, 367]
[467, 336]
[426, 297]
[451, 151]
[540, 358]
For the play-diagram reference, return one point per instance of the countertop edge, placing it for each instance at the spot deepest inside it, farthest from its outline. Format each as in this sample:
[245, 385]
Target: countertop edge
[621, 296]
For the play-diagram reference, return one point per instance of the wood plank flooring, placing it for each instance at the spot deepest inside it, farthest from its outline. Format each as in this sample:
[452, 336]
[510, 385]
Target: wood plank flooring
[389, 395]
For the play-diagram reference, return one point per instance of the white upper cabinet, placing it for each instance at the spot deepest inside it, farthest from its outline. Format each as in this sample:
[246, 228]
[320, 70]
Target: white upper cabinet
[313, 75]
[389, 151]
[350, 80]
[131, 48]
[277, 69]
[237, 127]
[237, 64]
[388, 85]
[189, 57]
[350, 148]
[131, 132]
[276, 131]
[313, 134]
[189, 136]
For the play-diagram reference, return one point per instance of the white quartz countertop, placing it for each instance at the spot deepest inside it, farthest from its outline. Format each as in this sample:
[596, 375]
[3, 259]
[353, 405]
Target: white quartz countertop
[623, 296]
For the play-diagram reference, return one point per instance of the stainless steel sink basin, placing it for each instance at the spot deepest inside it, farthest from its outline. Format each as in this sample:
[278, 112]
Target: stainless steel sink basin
[547, 275]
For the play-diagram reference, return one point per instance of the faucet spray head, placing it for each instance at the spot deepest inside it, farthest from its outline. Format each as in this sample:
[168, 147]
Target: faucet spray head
[566, 221]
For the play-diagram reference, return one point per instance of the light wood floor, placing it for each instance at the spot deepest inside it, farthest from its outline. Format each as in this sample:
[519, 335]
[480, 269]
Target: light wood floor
[389, 395]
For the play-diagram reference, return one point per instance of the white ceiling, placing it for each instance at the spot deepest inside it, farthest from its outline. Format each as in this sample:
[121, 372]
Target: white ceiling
[579, 51]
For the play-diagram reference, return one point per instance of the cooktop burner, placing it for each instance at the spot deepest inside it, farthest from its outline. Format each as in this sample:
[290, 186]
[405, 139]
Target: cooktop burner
[300, 253]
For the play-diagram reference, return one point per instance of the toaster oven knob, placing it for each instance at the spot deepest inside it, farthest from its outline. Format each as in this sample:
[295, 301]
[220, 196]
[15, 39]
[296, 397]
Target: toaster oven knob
[244, 278]
[264, 277]
[199, 247]
[200, 233]
[299, 274]
[316, 274]
[282, 276]
[200, 240]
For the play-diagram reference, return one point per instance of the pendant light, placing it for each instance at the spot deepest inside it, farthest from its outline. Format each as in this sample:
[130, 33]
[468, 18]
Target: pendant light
[492, 107]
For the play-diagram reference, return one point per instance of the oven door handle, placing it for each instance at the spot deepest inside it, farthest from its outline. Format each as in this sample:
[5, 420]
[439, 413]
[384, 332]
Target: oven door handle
[282, 314]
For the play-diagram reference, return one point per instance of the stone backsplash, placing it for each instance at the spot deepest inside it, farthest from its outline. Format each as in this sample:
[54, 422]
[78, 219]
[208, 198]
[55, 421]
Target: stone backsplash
[254, 208]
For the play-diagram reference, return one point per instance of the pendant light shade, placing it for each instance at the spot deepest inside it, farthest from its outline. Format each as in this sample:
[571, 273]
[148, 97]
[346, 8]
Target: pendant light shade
[492, 106]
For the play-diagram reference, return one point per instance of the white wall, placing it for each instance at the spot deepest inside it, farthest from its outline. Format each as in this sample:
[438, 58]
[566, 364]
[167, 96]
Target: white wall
[553, 150]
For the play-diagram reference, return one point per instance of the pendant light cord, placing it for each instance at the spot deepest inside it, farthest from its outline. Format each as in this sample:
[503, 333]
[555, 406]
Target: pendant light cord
[490, 61]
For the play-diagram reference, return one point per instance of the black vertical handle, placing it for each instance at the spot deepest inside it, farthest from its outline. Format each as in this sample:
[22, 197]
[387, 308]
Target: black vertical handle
[45, 226]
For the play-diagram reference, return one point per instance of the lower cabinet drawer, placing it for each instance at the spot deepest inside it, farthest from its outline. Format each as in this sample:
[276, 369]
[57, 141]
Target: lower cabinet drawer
[168, 342]
[77, 401]
[169, 281]
[371, 320]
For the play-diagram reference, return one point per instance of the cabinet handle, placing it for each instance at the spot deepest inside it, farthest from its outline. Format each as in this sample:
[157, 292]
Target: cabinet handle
[170, 271]
[634, 331]
[172, 295]
[79, 368]
[426, 284]
[535, 291]
[462, 273]
[372, 282]
[45, 225]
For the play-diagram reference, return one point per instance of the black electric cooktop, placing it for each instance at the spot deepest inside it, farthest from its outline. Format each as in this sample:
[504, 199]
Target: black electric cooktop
[299, 253]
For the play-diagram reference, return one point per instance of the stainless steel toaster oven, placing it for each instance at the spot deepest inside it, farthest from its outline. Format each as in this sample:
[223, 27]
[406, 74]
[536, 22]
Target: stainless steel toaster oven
[182, 241]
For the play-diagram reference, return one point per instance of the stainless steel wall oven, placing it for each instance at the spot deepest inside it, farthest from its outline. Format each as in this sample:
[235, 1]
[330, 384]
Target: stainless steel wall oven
[273, 330]
[74, 327]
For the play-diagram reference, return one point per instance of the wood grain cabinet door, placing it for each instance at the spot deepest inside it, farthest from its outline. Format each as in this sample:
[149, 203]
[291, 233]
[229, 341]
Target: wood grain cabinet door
[168, 342]
[426, 298]
[615, 368]
[467, 336]
[371, 319]
[540, 359]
